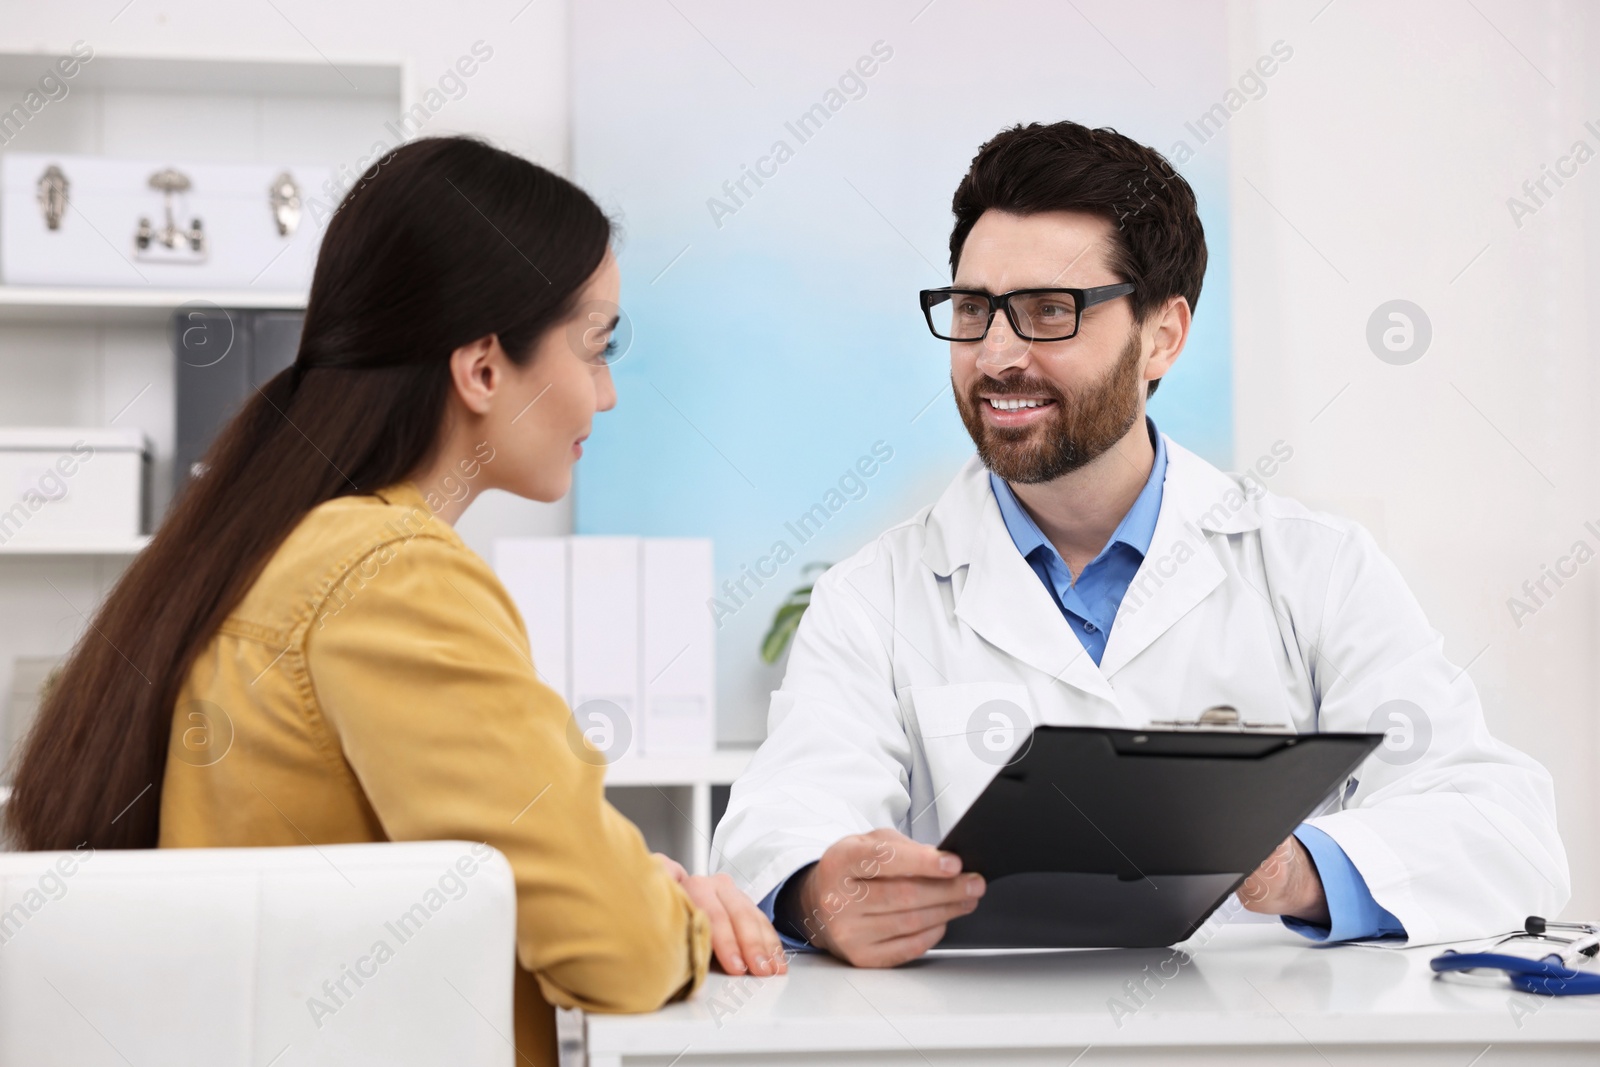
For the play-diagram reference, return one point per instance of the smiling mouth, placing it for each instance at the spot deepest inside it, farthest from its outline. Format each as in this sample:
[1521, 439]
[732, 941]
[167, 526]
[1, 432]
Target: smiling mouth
[1016, 403]
[1016, 411]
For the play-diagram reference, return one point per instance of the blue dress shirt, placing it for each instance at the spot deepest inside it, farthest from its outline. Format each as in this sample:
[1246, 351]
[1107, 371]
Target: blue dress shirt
[1090, 607]
[1356, 916]
[1090, 604]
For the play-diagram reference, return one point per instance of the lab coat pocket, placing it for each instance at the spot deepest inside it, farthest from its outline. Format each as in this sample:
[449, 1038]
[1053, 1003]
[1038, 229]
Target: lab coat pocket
[968, 732]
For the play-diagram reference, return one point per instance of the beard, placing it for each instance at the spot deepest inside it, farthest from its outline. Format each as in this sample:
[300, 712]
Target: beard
[1080, 427]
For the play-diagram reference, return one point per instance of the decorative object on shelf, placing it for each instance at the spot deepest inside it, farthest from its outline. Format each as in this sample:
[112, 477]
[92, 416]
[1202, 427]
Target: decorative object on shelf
[189, 245]
[53, 186]
[284, 195]
[787, 619]
[69, 486]
[197, 225]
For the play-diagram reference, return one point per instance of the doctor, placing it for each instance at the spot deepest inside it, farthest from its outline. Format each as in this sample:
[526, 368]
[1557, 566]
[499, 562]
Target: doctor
[1084, 569]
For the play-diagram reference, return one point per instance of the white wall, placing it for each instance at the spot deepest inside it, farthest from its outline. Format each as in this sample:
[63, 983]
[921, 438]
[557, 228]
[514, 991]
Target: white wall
[1378, 167]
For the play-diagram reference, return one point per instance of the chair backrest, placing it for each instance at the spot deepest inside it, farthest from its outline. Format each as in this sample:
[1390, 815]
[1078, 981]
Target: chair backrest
[341, 954]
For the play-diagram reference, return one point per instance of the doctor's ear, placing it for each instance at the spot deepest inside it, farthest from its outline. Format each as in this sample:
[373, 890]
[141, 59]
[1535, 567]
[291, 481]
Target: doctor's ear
[1165, 331]
[477, 370]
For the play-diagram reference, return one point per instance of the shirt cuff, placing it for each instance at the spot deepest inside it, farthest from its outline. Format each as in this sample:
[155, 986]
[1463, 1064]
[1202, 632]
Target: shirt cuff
[769, 906]
[1355, 915]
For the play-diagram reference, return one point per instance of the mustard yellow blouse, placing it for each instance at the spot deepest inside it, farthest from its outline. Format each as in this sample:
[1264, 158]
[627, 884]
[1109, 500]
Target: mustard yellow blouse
[375, 684]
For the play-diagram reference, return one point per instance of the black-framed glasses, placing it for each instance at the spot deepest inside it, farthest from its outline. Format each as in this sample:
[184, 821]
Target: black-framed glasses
[1034, 314]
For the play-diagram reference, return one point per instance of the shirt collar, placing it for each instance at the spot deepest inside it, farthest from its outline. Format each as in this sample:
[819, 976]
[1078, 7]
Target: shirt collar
[1136, 530]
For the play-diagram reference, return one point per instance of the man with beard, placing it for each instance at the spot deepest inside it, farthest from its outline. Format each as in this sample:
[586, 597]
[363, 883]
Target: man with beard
[1083, 569]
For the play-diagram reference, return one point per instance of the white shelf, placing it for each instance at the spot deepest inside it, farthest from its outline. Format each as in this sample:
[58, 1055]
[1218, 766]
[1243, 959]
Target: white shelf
[340, 77]
[698, 774]
[716, 768]
[30, 303]
[88, 548]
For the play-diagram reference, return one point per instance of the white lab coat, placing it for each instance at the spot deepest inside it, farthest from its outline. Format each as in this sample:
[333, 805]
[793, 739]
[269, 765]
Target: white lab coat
[1244, 598]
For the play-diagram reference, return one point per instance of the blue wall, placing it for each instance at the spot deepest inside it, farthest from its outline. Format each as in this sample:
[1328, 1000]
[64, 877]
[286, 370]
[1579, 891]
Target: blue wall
[776, 337]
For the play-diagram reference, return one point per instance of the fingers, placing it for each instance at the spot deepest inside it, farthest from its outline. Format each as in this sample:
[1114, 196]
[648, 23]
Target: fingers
[880, 898]
[903, 924]
[671, 866]
[758, 944]
[888, 895]
[888, 853]
[899, 919]
[742, 940]
[724, 941]
[895, 951]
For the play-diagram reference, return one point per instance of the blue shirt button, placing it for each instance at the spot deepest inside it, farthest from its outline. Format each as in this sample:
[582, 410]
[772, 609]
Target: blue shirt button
[1088, 627]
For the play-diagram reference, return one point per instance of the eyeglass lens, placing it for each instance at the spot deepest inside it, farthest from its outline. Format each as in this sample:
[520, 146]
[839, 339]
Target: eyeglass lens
[1036, 316]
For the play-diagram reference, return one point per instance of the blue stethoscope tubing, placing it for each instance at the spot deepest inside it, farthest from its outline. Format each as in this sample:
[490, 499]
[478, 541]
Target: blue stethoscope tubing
[1548, 975]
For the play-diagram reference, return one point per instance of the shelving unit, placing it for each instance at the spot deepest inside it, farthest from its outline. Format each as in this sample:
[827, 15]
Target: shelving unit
[101, 355]
[95, 356]
[315, 77]
[130, 547]
[131, 306]
[718, 768]
[695, 776]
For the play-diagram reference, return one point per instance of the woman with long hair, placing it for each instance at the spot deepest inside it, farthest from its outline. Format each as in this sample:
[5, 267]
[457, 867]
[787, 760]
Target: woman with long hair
[307, 652]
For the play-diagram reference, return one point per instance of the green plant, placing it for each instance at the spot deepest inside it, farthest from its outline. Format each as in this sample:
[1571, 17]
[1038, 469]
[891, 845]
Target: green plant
[787, 619]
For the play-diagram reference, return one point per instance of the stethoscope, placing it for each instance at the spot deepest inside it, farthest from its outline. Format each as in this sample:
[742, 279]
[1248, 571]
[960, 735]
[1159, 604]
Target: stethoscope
[1554, 974]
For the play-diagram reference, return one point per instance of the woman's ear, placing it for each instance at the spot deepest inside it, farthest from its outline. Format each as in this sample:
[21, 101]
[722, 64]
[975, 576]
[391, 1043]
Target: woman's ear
[478, 370]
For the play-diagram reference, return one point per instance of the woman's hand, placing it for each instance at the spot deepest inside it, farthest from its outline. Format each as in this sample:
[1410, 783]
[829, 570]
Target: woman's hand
[739, 930]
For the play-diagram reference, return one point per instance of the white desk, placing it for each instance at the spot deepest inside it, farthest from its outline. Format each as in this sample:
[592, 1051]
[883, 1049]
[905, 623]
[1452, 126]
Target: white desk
[1253, 994]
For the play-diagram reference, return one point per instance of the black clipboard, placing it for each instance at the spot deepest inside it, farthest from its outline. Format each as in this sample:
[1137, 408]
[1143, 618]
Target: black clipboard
[1109, 838]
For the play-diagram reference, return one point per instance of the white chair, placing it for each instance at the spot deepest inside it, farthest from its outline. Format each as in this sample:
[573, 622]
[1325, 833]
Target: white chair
[390, 954]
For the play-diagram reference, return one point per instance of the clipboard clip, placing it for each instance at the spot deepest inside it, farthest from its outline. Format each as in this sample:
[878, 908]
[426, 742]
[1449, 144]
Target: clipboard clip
[1220, 717]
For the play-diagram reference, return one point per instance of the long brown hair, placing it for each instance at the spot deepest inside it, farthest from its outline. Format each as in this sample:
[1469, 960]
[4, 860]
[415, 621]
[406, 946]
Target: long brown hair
[443, 241]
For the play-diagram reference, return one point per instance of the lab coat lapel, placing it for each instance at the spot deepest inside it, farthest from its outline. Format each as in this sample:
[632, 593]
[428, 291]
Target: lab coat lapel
[1002, 599]
[1181, 568]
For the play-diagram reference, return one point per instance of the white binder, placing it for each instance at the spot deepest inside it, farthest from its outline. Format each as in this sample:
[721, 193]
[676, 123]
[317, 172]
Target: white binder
[604, 595]
[679, 655]
[622, 620]
[534, 572]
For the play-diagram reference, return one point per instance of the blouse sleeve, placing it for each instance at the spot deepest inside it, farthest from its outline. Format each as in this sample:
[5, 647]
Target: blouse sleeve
[424, 676]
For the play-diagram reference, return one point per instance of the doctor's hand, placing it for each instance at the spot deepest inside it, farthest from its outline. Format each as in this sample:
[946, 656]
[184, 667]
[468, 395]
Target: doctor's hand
[741, 937]
[880, 899]
[1287, 883]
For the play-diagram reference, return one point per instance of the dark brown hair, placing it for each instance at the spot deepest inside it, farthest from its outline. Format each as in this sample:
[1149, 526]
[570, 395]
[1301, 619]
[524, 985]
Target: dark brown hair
[1157, 241]
[442, 242]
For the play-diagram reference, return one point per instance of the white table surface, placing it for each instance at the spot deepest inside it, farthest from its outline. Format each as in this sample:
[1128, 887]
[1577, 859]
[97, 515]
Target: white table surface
[1251, 993]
